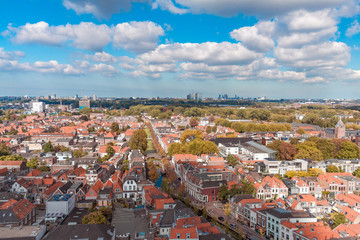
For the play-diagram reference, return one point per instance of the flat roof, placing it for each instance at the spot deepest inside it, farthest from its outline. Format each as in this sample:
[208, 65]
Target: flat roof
[25, 231]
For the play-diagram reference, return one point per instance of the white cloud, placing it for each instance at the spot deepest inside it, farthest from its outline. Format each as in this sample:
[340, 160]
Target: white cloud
[105, 69]
[255, 7]
[101, 57]
[353, 29]
[309, 21]
[211, 53]
[85, 35]
[6, 55]
[169, 6]
[99, 8]
[133, 36]
[253, 38]
[137, 36]
[327, 54]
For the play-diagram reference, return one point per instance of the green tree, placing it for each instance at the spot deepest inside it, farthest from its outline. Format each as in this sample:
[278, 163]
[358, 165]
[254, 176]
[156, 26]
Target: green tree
[308, 150]
[338, 219]
[348, 150]
[260, 114]
[223, 193]
[115, 127]
[247, 188]
[96, 217]
[79, 153]
[12, 158]
[332, 169]
[356, 173]
[48, 147]
[33, 163]
[4, 150]
[208, 129]
[138, 140]
[232, 160]
[191, 134]
[110, 151]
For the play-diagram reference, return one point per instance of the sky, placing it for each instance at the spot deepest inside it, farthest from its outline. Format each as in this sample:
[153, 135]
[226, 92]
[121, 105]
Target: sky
[169, 48]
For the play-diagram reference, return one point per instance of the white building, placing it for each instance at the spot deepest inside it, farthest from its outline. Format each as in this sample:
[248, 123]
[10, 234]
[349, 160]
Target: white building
[60, 203]
[37, 107]
[257, 151]
[130, 188]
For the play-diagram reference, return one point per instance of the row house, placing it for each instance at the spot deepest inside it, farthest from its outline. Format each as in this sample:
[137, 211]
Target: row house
[203, 186]
[350, 200]
[271, 188]
[337, 183]
[272, 166]
[275, 216]
[17, 213]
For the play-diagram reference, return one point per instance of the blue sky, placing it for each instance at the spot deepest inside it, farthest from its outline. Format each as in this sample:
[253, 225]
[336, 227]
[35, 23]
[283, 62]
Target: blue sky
[168, 48]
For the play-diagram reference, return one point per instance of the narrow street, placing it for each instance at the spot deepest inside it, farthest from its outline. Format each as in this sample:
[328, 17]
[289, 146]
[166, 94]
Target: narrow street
[215, 212]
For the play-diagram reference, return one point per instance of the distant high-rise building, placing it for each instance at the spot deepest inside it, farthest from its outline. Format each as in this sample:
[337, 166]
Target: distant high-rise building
[84, 104]
[76, 97]
[94, 97]
[37, 107]
[53, 96]
[194, 96]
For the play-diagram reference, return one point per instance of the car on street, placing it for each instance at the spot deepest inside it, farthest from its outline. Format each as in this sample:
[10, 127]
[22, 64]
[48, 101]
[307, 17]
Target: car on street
[221, 218]
[232, 225]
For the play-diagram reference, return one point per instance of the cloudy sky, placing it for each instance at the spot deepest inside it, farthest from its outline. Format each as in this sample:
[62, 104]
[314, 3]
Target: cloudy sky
[168, 48]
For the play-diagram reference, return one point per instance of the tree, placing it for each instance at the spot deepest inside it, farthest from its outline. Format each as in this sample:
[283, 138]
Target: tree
[234, 190]
[247, 188]
[284, 150]
[332, 169]
[315, 172]
[193, 122]
[48, 147]
[191, 134]
[4, 150]
[91, 129]
[115, 127]
[138, 140]
[294, 141]
[33, 163]
[308, 150]
[338, 219]
[43, 168]
[96, 217]
[232, 160]
[12, 158]
[208, 129]
[110, 151]
[356, 173]
[260, 114]
[153, 172]
[79, 153]
[348, 150]
[300, 131]
[223, 193]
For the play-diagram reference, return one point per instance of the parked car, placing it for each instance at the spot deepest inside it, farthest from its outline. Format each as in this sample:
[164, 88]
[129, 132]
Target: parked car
[221, 218]
[232, 225]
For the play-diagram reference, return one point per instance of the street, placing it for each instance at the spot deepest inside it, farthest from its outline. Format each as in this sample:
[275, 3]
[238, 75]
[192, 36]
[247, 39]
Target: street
[215, 212]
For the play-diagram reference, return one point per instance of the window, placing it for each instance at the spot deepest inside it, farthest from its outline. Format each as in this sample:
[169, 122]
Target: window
[178, 235]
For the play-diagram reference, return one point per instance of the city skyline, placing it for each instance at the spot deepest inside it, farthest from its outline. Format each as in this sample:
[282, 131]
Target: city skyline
[168, 48]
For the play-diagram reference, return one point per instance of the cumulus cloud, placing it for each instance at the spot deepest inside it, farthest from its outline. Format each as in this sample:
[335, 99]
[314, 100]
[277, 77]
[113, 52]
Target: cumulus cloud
[353, 29]
[99, 8]
[133, 36]
[211, 53]
[85, 35]
[6, 55]
[101, 57]
[257, 38]
[327, 54]
[137, 36]
[263, 8]
[169, 6]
